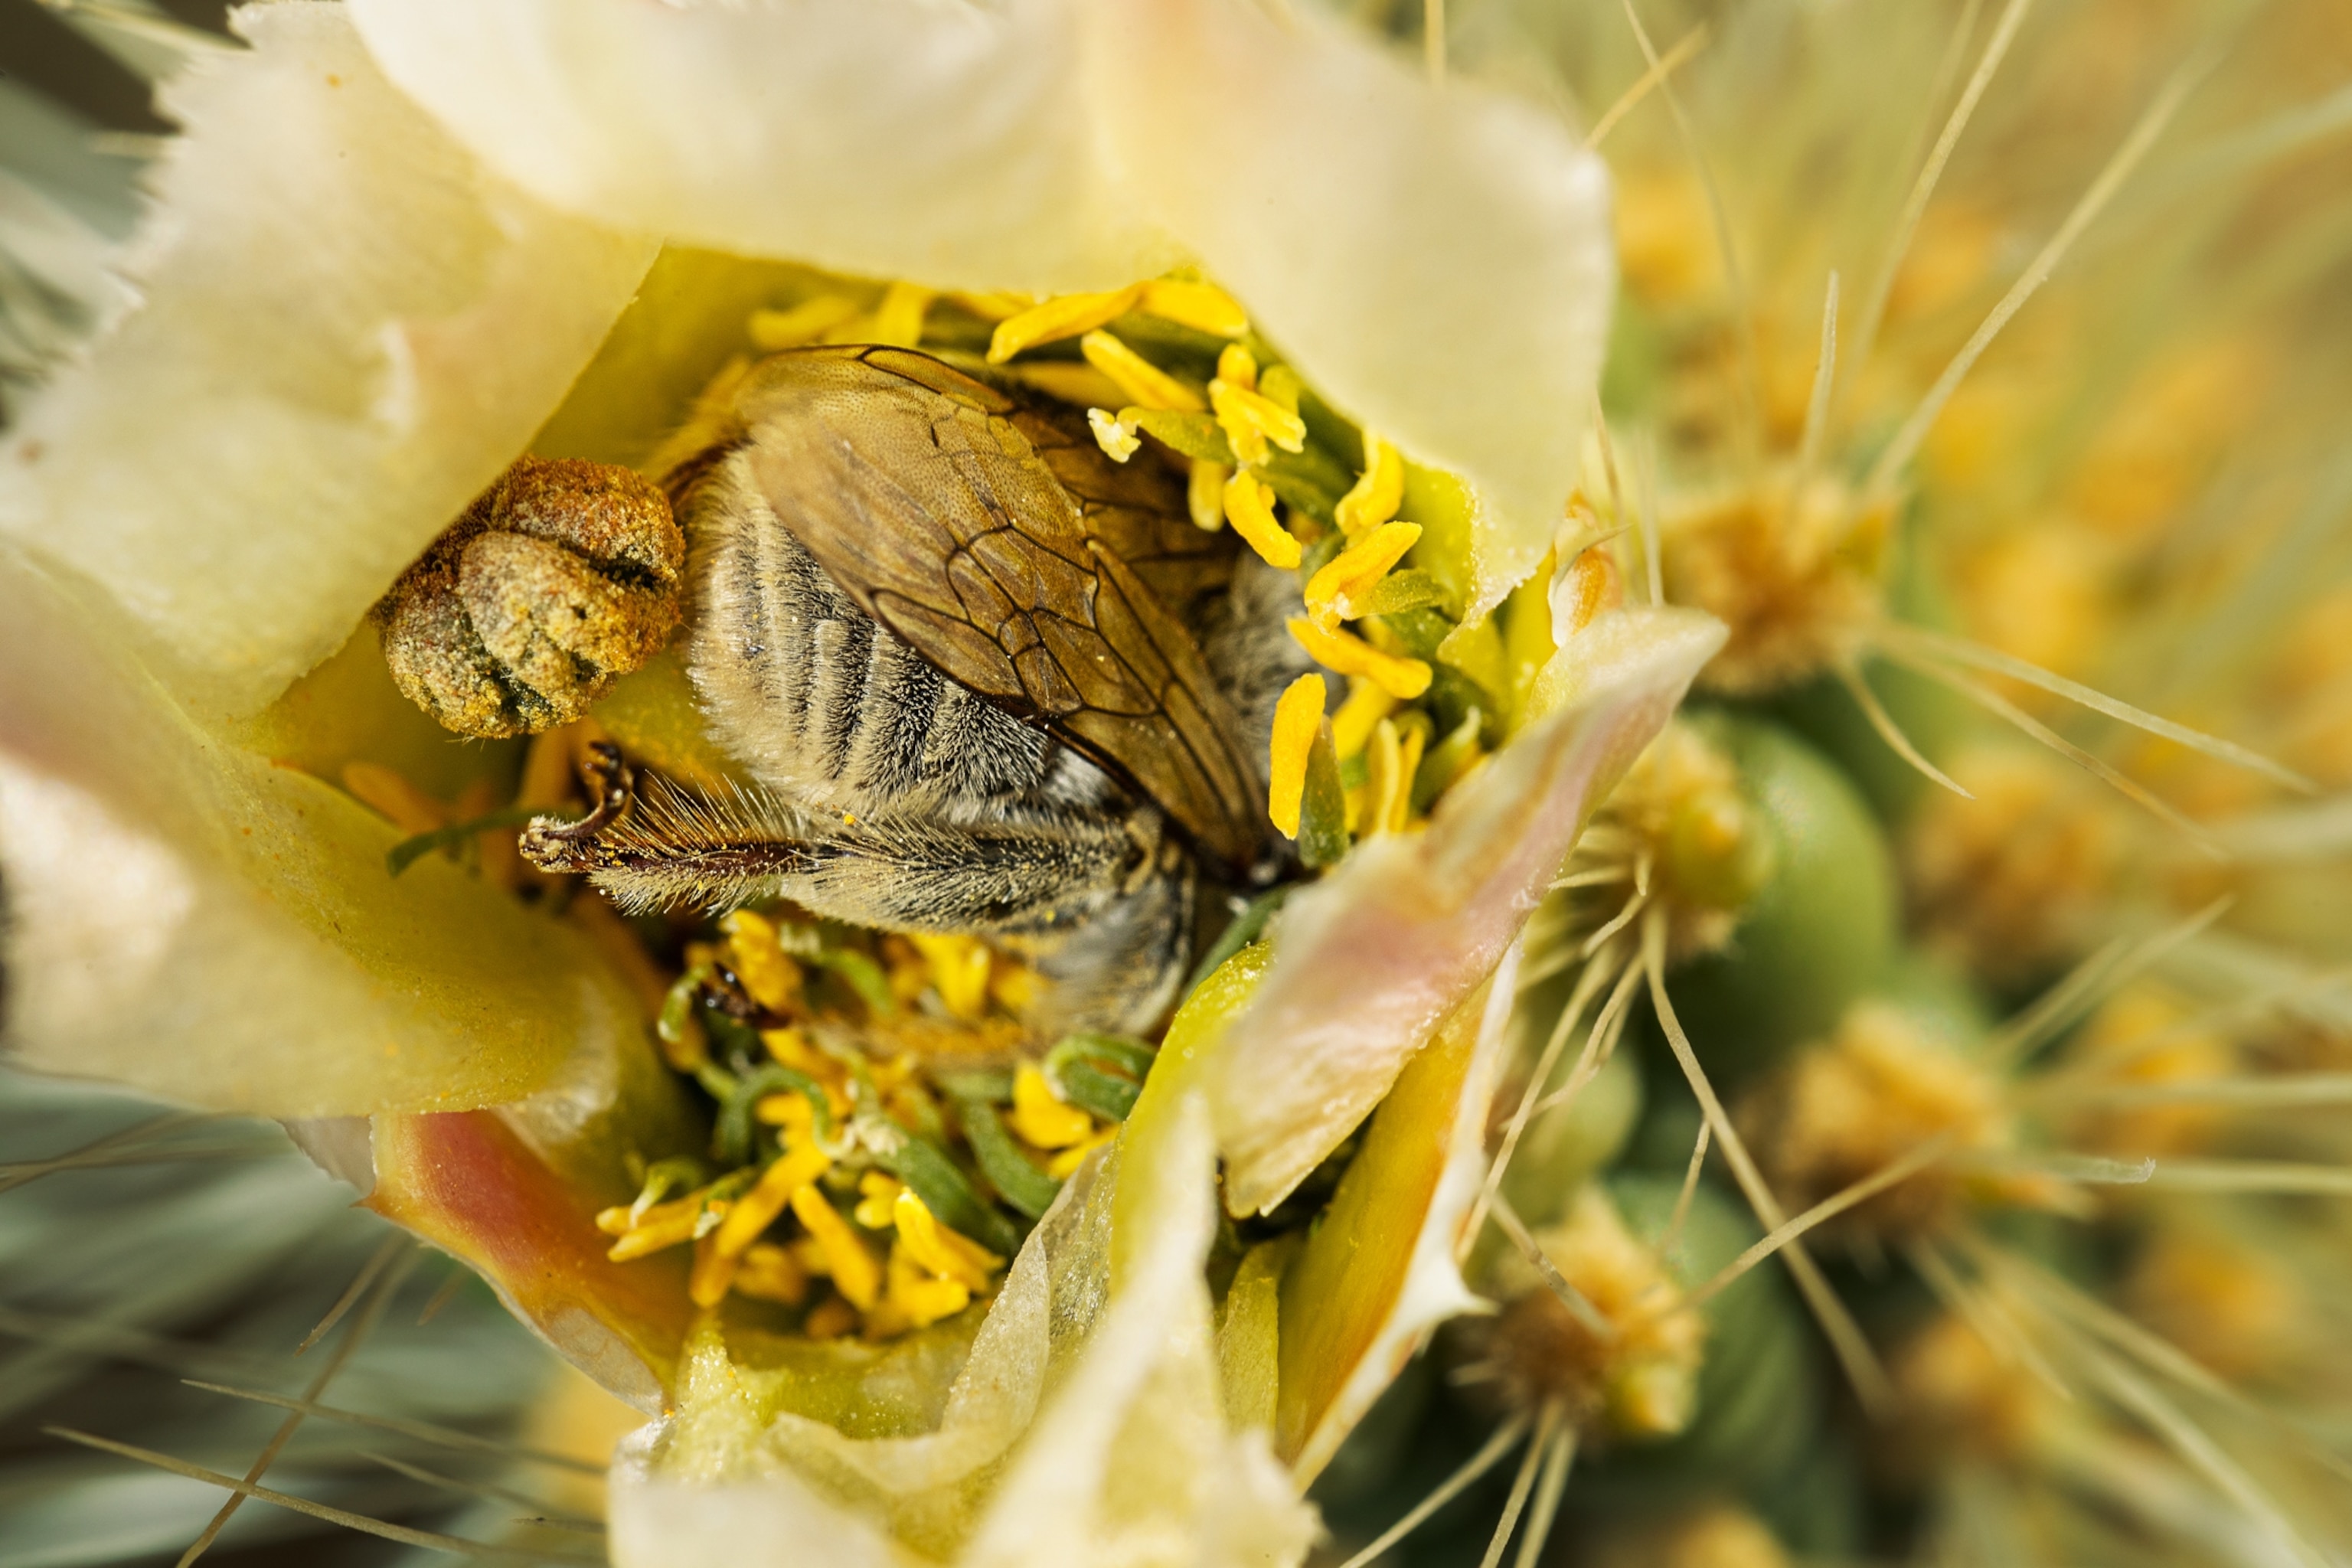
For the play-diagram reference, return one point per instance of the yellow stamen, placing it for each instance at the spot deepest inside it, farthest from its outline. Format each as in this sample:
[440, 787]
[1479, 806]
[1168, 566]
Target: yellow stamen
[769, 1273]
[1252, 420]
[1203, 307]
[1145, 384]
[1038, 1118]
[803, 323]
[944, 1252]
[1014, 986]
[1298, 717]
[1249, 507]
[1065, 317]
[756, 1210]
[916, 1300]
[1377, 492]
[1281, 386]
[959, 967]
[1383, 780]
[854, 1273]
[1237, 366]
[1409, 751]
[1366, 706]
[995, 307]
[1062, 1166]
[657, 1235]
[1204, 495]
[1114, 436]
[756, 953]
[713, 1274]
[899, 319]
[1404, 679]
[876, 1192]
[1333, 594]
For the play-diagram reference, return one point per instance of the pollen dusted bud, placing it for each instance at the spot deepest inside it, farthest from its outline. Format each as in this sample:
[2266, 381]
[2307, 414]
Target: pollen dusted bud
[559, 578]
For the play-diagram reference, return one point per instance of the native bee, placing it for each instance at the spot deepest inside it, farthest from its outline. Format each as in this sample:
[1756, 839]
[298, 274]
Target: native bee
[986, 680]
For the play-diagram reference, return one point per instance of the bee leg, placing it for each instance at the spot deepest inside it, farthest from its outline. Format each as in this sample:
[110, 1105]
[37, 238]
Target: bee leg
[553, 846]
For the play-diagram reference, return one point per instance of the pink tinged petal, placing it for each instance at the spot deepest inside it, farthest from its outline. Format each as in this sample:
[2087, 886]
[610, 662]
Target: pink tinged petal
[185, 918]
[347, 327]
[1367, 960]
[1438, 258]
[933, 140]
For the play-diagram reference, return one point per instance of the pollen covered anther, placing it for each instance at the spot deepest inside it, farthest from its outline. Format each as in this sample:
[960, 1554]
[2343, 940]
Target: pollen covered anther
[559, 578]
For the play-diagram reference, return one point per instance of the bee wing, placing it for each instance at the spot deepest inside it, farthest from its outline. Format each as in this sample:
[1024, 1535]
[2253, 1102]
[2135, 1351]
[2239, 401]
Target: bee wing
[918, 492]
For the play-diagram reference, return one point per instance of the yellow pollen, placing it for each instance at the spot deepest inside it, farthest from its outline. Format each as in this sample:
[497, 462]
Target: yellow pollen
[854, 1273]
[803, 324]
[756, 954]
[899, 319]
[1145, 384]
[1204, 495]
[1403, 678]
[1366, 706]
[1249, 507]
[1203, 307]
[1333, 594]
[960, 966]
[1377, 492]
[1062, 1166]
[1298, 719]
[1065, 317]
[1041, 1120]
[943, 1251]
[1252, 420]
[1114, 436]
[766, 1272]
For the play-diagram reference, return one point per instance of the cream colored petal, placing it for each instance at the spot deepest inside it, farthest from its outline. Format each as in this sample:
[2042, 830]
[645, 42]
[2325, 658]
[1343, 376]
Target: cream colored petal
[1438, 258]
[188, 919]
[934, 140]
[1368, 960]
[348, 327]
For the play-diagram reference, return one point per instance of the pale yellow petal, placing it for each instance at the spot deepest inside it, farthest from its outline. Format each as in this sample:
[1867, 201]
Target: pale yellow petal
[346, 328]
[943, 142]
[1367, 960]
[190, 920]
[1437, 260]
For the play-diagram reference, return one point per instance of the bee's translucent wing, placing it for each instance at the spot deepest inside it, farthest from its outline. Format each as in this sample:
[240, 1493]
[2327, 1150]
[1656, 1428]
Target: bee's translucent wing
[921, 492]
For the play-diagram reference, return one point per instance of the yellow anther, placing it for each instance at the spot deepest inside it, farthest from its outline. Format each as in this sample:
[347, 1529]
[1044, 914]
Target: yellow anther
[713, 1274]
[1409, 751]
[1377, 492]
[1014, 986]
[1204, 495]
[1063, 317]
[756, 954]
[915, 1300]
[1249, 507]
[1114, 436]
[877, 1193]
[854, 1273]
[959, 967]
[1333, 594]
[1251, 421]
[1202, 306]
[656, 1234]
[1403, 678]
[1383, 780]
[1368, 703]
[803, 323]
[1585, 589]
[1145, 384]
[994, 307]
[1038, 1118]
[943, 1251]
[1298, 719]
[757, 1209]
[1237, 366]
[899, 319]
[767, 1272]
[1062, 1166]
